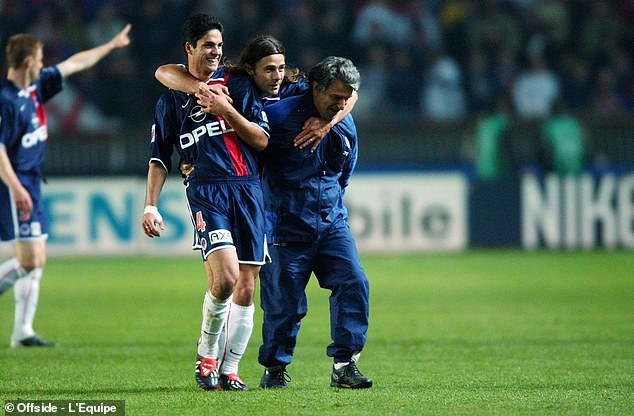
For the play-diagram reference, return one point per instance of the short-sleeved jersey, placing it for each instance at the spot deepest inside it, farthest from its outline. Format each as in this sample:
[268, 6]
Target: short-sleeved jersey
[207, 140]
[23, 130]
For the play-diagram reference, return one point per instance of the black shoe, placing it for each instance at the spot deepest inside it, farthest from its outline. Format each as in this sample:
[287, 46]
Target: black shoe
[206, 373]
[32, 341]
[231, 382]
[349, 377]
[275, 378]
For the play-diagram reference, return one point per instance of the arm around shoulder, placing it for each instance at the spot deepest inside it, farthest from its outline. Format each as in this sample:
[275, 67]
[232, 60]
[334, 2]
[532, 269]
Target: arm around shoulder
[218, 103]
[249, 132]
[315, 129]
[177, 78]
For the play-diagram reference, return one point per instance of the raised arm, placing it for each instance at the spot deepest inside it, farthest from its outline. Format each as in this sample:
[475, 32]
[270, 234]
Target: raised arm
[316, 128]
[86, 59]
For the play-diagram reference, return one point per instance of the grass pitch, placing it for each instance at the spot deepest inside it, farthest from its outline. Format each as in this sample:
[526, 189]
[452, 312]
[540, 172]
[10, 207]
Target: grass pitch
[495, 332]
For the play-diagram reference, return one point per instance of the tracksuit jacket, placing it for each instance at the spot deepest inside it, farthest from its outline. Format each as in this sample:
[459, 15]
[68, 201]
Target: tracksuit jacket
[289, 172]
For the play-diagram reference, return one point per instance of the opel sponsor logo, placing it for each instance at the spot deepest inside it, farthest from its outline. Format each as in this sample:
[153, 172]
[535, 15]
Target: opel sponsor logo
[34, 137]
[197, 114]
[210, 129]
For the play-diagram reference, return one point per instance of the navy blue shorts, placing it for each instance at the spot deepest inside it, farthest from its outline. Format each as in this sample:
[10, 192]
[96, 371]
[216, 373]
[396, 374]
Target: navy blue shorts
[11, 228]
[229, 213]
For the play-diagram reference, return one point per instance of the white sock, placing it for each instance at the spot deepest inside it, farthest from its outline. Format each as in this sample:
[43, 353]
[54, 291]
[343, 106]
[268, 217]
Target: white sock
[239, 329]
[26, 291]
[222, 339]
[10, 271]
[355, 358]
[214, 316]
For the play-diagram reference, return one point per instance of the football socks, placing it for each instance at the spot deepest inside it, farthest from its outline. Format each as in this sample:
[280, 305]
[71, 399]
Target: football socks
[10, 271]
[214, 315]
[26, 291]
[238, 331]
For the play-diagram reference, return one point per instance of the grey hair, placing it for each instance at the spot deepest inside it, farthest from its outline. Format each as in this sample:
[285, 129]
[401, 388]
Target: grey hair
[335, 68]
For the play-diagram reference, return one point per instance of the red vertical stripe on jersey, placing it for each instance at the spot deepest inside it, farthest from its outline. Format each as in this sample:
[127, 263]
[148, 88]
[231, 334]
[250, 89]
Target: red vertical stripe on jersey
[41, 114]
[235, 153]
[232, 141]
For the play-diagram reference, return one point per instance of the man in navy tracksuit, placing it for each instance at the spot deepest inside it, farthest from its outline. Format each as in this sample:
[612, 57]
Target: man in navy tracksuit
[307, 228]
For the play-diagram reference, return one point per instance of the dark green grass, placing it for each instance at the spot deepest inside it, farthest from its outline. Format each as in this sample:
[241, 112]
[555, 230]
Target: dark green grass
[498, 332]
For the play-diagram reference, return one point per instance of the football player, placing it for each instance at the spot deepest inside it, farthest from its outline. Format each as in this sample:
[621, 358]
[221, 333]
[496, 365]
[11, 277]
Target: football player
[23, 138]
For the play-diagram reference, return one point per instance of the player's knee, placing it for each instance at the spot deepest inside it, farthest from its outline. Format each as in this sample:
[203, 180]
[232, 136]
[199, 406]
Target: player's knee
[29, 263]
[222, 288]
[243, 295]
[40, 261]
[244, 291]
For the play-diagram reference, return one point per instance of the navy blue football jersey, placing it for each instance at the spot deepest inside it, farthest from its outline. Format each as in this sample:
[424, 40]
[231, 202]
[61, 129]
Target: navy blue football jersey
[288, 89]
[204, 139]
[23, 129]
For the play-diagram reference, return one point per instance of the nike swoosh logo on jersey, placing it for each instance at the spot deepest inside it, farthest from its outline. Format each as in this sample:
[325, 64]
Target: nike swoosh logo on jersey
[234, 353]
[186, 104]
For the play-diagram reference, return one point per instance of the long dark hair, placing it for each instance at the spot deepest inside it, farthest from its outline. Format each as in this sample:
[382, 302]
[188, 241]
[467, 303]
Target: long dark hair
[258, 48]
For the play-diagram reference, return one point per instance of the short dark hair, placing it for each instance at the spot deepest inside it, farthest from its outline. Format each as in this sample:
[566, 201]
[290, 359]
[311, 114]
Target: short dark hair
[197, 25]
[19, 47]
[335, 68]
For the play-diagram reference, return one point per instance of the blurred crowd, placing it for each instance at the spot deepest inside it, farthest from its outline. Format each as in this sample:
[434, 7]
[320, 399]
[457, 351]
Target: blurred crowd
[441, 60]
